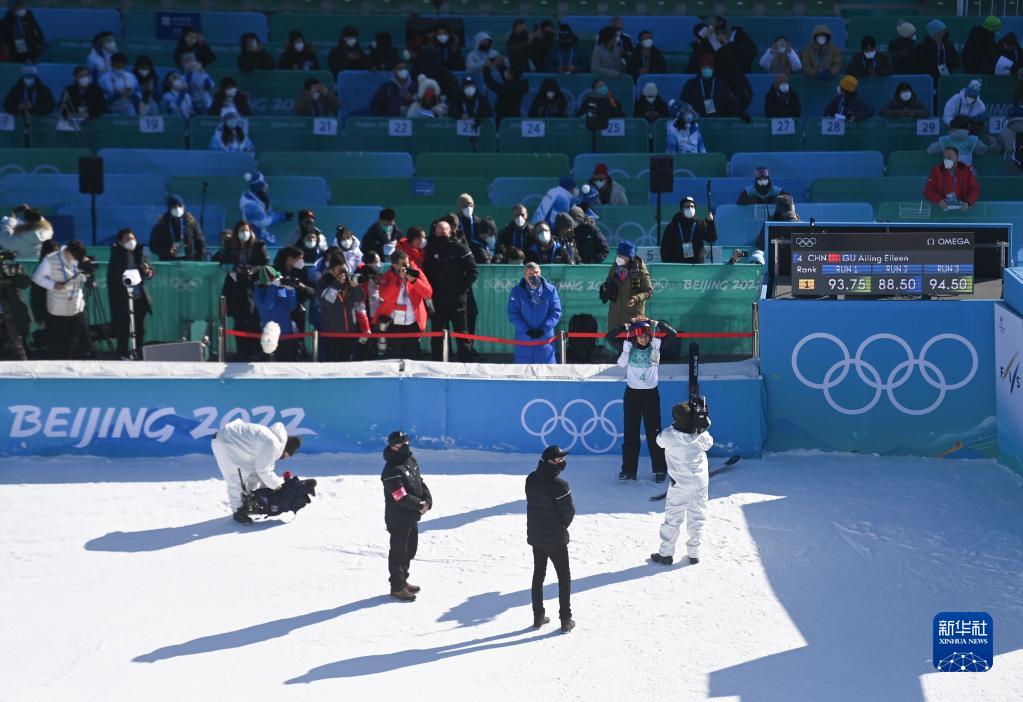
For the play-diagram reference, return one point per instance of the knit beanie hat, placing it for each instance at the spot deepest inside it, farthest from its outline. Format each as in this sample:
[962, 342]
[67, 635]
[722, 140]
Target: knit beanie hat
[904, 29]
[992, 23]
[848, 84]
[255, 180]
[935, 27]
[563, 221]
[567, 182]
[626, 248]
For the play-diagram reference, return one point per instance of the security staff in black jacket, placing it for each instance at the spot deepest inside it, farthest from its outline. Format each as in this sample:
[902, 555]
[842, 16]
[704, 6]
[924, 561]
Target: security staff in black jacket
[684, 237]
[451, 270]
[406, 500]
[549, 512]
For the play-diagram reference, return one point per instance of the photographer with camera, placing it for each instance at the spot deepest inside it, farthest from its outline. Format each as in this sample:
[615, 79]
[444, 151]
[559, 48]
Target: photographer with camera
[290, 263]
[65, 274]
[127, 273]
[14, 318]
[404, 290]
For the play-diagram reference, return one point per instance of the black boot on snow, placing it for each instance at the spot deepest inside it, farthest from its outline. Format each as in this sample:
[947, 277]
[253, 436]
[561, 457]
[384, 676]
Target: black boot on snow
[663, 560]
[660, 477]
[539, 620]
[693, 560]
[242, 516]
[567, 625]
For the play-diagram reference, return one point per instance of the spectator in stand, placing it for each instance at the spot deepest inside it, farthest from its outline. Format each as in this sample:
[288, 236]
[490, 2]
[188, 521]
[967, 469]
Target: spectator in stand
[316, 100]
[229, 97]
[781, 58]
[541, 40]
[468, 223]
[685, 237]
[127, 253]
[683, 133]
[482, 52]
[253, 56]
[627, 287]
[649, 105]
[514, 240]
[298, 54]
[404, 290]
[177, 236]
[382, 236]
[309, 238]
[980, 46]
[256, 209]
[82, 100]
[905, 104]
[510, 91]
[870, 62]
[342, 310]
[821, 59]
[429, 103]
[348, 55]
[600, 99]
[784, 209]
[781, 100]
[230, 135]
[566, 56]
[120, 87]
[382, 54]
[936, 55]
[447, 49]
[368, 279]
[517, 48]
[606, 61]
[393, 98]
[645, 59]
[847, 105]
[412, 244]
[241, 257]
[544, 248]
[710, 96]
[104, 46]
[564, 235]
[555, 201]
[733, 52]
[350, 246]
[1008, 57]
[1012, 143]
[952, 184]
[192, 42]
[901, 48]
[149, 84]
[966, 103]
[762, 191]
[549, 101]
[534, 309]
[452, 271]
[176, 101]
[21, 37]
[589, 241]
[28, 96]
[200, 85]
[470, 103]
[609, 191]
[290, 262]
[482, 243]
[959, 138]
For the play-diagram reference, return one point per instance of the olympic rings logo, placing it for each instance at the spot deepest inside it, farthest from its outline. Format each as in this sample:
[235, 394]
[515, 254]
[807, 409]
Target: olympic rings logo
[185, 285]
[578, 433]
[898, 376]
[805, 242]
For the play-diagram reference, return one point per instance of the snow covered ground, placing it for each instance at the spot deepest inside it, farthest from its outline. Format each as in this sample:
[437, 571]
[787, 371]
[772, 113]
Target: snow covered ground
[125, 580]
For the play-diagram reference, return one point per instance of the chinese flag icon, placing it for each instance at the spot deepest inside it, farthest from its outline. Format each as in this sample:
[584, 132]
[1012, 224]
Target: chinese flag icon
[806, 283]
[834, 258]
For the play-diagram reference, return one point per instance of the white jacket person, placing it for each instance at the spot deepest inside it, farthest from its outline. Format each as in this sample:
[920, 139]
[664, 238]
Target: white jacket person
[686, 455]
[252, 449]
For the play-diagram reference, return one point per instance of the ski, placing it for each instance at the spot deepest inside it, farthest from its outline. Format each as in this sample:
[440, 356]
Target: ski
[732, 460]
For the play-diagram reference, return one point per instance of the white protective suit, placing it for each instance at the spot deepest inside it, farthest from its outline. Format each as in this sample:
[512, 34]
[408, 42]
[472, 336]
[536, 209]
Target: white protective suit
[686, 456]
[252, 449]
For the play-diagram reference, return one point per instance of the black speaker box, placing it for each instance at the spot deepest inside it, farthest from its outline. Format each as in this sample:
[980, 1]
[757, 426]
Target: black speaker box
[662, 174]
[90, 175]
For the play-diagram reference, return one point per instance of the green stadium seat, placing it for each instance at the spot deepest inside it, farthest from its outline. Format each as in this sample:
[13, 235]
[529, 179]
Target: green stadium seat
[919, 164]
[336, 165]
[389, 7]
[13, 137]
[819, 8]
[700, 8]
[729, 135]
[497, 7]
[869, 135]
[779, 8]
[570, 136]
[740, 8]
[324, 29]
[110, 131]
[938, 8]
[418, 135]
[21, 160]
[490, 166]
[399, 192]
[273, 92]
[709, 165]
[274, 134]
[426, 7]
[872, 190]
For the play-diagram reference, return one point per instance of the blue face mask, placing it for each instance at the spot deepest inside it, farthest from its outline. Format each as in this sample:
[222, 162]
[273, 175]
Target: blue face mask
[602, 90]
[707, 72]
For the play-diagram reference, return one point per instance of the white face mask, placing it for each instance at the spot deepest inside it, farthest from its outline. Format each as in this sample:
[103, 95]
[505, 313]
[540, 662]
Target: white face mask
[949, 163]
[110, 46]
[177, 212]
[821, 40]
[20, 12]
[620, 260]
[520, 221]
[299, 264]
[351, 41]
[467, 211]
[651, 99]
[179, 84]
[598, 184]
[346, 244]
[130, 245]
[299, 46]
[231, 92]
[762, 182]
[689, 212]
[647, 43]
[870, 54]
[402, 74]
[470, 91]
[543, 236]
[784, 87]
[971, 100]
[442, 38]
[84, 81]
[144, 72]
[550, 94]
[310, 243]
[29, 82]
[905, 95]
[244, 235]
[420, 243]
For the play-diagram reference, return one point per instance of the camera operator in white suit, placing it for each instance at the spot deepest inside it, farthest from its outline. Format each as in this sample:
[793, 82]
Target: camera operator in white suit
[253, 451]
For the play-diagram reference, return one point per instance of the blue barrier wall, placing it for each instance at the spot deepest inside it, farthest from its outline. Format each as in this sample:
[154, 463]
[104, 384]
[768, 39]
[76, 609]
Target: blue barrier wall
[1008, 378]
[880, 376]
[175, 416]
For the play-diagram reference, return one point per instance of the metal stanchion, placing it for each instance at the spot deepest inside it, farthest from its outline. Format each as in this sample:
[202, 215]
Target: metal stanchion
[221, 344]
[756, 330]
[564, 347]
[316, 345]
[447, 344]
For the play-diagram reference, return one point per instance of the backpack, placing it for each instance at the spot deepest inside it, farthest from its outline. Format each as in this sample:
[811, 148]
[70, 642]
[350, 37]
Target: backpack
[582, 350]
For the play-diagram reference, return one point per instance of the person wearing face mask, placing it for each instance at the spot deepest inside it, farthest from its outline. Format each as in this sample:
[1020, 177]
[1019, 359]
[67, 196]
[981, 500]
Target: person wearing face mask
[413, 244]
[21, 37]
[821, 59]
[510, 90]
[149, 83]
[649, 105]
[230, 97]
[176, 100]
[683, 132]
[685, 237]
[545, 247]
[482, 52]
[348, 55]
[781, 58]
[901, 47]
[549, 513]
[382, 236]
[980, 46]
[367, 277]
[392, 99]
[24, 231]
[447, 48]
[382, 56]
[600, 100]
[483, 246]
[762, 192]
[294, 273]
[905, 104]
[404, 291]
[67, 323]
[198, 83]
[241, 256]
[253, 56]
[517, 47]
[471, 103]
[513, 241]
[120, 87]
[230, 135]
[28, 96]
[1012, 142]
[626, 289]
[541, 39]
[555, 201]
[952, 184]
[606, 61]
[176, 236]
[469, 223]
[316, 100]
[870, 62]
[961, 140]
[565, 56]
[309, 238]
[82, 100]
[193, 42]
[646, 58]
[608, 190]
[589, 240]
[451, 269]
[298, 54]
[406, 499]
[430, 102]
[709, 95]
[967, 104]
[350, 247]
[936, 55]
[126, 253]
[104, 46]
[534, 309]
[549, 101]
[342, 310]
[781, 100]
[847, 104]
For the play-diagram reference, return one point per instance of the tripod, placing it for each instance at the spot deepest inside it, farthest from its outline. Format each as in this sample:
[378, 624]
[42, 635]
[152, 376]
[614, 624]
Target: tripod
[133, 352]
[11, 337]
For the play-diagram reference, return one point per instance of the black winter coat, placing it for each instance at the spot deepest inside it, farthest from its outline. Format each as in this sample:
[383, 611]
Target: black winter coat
[404, 489]
[928, 55]
[27, 29]
[979, 47]
[509, 95]
[725, 103]
[549, 507]
[117, 295]
[450, 268]
[779, 104]
[590, 242]
[240, 281]
[698, 232]
[184, 232]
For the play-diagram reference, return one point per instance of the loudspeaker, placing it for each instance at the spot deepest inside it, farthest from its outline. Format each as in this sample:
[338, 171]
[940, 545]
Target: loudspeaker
[662, 174]
[90, 175]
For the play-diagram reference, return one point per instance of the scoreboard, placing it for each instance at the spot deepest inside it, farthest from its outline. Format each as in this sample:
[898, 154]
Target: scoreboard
[904, 263]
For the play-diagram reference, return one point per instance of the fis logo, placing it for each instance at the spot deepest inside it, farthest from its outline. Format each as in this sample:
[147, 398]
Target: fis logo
[797, 258]
[1011, 375]
[807, 284]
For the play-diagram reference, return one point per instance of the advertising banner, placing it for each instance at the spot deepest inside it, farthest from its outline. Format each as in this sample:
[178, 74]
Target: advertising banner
[1009, 386]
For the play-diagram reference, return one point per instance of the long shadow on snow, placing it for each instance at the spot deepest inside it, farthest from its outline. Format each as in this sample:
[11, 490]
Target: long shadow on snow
[169, 537]
[863, 581]
[454, 521]
[257, 633]
[386, 662]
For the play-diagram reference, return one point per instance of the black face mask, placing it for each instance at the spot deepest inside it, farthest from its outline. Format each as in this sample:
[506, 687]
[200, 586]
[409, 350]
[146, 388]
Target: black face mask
[404, 452]
[558, 467]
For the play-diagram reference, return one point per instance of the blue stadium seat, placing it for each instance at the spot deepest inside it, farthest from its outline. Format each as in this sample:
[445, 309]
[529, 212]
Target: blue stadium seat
[355, 90]
[708, 165]
[62, 190]
[337, 164]
[69, 23]
[170, 162]
[808, 165]
[765, 30]
[138, 218]
[725, 190]
[358, 218]
[821, 211]
[216, 27]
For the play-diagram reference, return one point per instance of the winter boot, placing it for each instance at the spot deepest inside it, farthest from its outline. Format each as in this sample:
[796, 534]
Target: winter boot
[409, 587]
[403, 596]
[242, 516]
[567, 625]
[623, 475]
[693, 560]
[660, 477]
[663, 560]
[539, 620]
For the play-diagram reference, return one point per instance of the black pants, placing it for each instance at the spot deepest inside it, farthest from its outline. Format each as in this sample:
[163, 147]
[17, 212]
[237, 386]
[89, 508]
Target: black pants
[337, 350]
[455, 313]
[404, 542]
[645, 406]
[122, 330]
[558, 555]
[403, 348]
[288, 351]
[68, 337]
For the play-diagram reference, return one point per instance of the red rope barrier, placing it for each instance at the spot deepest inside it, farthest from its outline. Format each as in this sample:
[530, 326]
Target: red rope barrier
[389, 335]
[495, 340]
[476, 337]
